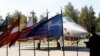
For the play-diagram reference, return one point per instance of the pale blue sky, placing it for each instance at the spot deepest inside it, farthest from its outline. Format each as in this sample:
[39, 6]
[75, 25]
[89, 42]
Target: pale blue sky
[40, 6]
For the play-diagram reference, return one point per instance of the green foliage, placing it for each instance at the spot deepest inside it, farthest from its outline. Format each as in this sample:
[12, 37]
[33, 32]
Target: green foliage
[92, 18]
[98, 23]
[14, 17]
[87, 18]
[70, 11]
[83, 16]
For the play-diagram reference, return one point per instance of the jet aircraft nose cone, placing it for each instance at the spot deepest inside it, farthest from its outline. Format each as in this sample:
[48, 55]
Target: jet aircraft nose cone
[74, 30]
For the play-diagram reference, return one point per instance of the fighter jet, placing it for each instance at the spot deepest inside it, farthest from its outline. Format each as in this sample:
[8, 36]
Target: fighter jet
[73, 29]
[70, 28]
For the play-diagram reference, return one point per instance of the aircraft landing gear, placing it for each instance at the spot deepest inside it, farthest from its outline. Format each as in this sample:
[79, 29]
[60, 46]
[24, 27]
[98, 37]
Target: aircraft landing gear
[58, 45]
[38, 46]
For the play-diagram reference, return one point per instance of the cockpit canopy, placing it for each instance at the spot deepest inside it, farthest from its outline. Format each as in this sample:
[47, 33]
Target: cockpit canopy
[68, 19]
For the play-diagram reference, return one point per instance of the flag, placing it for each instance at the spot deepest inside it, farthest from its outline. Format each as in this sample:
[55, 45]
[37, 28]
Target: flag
[10, 34]
[51, 27]
[28, 25]
[14, 34]
[25, 31]
[3, 26]
[21, 36]
[28, 28]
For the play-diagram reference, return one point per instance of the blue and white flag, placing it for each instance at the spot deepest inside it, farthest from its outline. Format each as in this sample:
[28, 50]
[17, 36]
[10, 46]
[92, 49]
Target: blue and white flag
[3, 26]
[51, 27]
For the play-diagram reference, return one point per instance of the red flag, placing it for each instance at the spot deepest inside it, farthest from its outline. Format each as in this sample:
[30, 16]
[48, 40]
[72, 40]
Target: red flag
[26, 29]
[11, 33]
[22, 36]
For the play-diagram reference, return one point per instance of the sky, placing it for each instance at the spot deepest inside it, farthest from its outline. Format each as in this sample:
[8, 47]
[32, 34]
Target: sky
[41, 6]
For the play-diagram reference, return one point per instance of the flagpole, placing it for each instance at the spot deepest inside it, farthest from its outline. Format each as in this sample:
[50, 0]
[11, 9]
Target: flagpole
[6, 50]
[33, 38]
[77, 45]
[19, 49]
[19, 34]
[48, 38]
[48, 47]
[34, 46]
[7, 45]
[62, 34]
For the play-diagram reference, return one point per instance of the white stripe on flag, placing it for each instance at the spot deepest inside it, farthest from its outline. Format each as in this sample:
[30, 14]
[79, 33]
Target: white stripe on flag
[14, 30]
[30, 23]
[1, 33]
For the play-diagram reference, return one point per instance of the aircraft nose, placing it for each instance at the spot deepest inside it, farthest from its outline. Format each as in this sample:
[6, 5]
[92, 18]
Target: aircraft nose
[77, 32]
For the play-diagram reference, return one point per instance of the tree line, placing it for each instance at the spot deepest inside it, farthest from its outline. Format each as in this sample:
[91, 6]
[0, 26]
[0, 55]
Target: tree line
[86, 17]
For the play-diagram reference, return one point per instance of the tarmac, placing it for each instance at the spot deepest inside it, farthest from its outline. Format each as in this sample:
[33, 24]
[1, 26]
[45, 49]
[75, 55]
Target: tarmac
[29, 51]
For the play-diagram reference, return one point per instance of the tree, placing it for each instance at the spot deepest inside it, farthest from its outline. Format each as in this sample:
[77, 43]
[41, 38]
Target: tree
[91, 17]
[87, 18]
[83, 17]
[70, 11]
[98, 23]
[14, 16]
[34, 17]
[10, 19]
